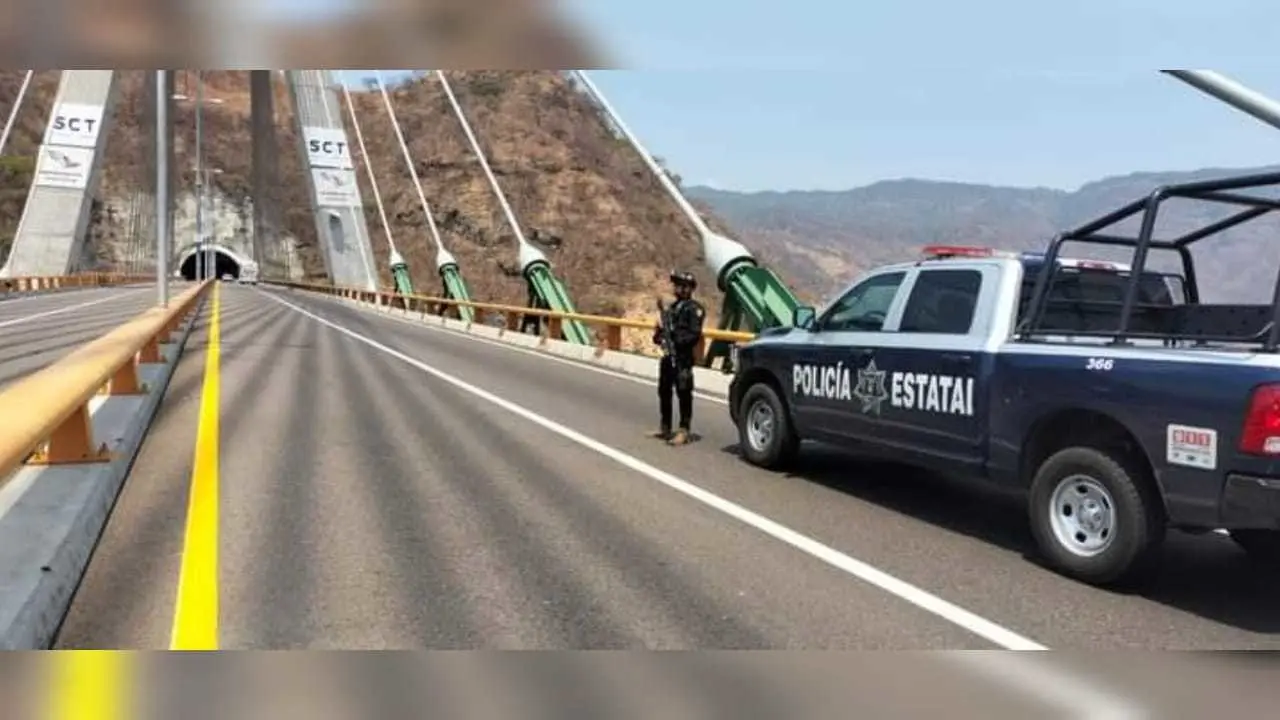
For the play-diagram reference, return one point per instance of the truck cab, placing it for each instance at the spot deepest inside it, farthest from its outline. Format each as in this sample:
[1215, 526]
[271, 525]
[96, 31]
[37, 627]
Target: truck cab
[902, 363]
[1121, 403]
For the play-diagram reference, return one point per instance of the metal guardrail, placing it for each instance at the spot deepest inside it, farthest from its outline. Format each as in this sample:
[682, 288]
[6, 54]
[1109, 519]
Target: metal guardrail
[513, 315]
[44, 418]
[41, 283]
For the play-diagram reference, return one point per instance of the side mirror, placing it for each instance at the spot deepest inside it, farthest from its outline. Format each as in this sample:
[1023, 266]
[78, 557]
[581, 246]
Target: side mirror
[803, 317]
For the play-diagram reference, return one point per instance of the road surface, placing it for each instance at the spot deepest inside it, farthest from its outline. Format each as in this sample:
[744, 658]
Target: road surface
[387, 485]
[37, 330]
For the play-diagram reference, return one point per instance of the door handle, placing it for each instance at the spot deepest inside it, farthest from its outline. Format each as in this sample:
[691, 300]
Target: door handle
[863, 353]
[957, 357]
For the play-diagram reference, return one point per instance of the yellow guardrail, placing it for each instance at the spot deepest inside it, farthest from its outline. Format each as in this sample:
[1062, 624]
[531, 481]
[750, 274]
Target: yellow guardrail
[44, 418]
[609, 339]
[41, 283]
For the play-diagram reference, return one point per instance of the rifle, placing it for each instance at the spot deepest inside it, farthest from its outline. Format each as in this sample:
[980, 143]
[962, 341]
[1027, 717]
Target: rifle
[664, 331]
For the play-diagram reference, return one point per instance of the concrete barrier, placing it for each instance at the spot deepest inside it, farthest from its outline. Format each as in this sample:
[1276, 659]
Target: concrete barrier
[707, 380]
[52, 516]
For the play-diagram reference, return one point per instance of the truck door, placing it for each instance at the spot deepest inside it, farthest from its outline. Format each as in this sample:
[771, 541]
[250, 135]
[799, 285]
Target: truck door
[839, 388]
[937, 364]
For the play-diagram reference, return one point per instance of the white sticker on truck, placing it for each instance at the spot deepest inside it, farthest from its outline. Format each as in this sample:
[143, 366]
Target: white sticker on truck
[1189, 446]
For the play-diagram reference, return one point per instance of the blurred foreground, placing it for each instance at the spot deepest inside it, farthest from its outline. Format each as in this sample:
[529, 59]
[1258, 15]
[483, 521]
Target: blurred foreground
[244, 34]
[480, 686]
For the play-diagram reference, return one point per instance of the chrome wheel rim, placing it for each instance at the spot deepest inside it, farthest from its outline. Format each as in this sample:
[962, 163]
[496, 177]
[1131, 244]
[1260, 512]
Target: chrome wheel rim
[760, 426]
[1083, 516]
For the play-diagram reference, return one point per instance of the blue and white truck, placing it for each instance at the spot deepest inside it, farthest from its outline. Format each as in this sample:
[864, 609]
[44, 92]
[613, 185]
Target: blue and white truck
[1120, 401]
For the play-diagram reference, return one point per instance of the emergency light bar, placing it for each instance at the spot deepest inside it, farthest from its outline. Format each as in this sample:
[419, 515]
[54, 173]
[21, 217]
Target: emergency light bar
[939, 252]
[942, 252]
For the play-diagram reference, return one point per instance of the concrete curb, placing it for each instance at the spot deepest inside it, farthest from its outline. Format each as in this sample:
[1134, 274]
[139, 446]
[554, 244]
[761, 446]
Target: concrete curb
[51, 517]
[707, 380]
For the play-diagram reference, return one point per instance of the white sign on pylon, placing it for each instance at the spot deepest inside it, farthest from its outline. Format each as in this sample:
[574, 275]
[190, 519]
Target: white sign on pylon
[327, 147]
[336, 188]
[64, 167]
[74, 125]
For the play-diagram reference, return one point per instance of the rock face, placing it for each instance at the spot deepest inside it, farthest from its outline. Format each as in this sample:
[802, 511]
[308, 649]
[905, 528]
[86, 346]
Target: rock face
[581, 194]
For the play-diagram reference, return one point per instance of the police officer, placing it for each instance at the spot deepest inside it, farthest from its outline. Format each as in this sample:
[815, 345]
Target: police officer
[678, 334]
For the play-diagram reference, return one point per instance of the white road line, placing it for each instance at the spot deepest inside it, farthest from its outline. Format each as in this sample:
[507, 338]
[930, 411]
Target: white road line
[525, 351]
[986, 629]
[1022, 673]
[69, 308]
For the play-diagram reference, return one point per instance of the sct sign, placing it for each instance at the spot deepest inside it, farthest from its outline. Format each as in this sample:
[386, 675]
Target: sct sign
[327, 148]
[74, 125]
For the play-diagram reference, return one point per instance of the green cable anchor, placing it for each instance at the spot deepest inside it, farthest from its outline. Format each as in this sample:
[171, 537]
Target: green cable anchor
[546, 292]
[754, 297]
[455, 288]
[400, 273]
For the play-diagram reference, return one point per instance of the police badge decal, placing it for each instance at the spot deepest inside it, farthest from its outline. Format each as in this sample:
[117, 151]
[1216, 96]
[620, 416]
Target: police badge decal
[870, 388]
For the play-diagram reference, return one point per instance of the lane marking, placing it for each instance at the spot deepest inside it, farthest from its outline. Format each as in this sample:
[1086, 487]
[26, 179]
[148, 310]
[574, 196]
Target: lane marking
[69, 308]
[956, 615]
[579, 364]
[89, 685]
[1078, 696]
[195, 617]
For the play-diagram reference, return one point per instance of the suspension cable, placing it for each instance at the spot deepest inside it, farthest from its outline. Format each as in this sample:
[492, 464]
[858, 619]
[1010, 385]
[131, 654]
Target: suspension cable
[368, 166]
[408, 159]
[661, 174]
[13, 112]
[484, 163]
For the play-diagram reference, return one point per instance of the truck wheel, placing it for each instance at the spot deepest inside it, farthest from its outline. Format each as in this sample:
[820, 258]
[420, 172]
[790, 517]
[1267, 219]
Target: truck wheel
[765, 433]
[1262, 545]
[1093, 516]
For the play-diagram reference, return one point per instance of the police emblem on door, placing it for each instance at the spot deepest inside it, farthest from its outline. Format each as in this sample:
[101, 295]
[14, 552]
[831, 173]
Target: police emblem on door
[870, 388]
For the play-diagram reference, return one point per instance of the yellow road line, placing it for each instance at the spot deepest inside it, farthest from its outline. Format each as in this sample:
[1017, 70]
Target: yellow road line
[195, 617]
[89, 685]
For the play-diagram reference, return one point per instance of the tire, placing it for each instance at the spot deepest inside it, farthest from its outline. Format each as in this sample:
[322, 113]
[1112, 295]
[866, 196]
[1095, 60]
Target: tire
[770, 447]
[1262, 545]
[1073, 477]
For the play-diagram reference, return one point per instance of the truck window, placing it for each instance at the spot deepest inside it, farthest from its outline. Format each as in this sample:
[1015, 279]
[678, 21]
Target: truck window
[1086, 300]
[942, 301]
[865, 307]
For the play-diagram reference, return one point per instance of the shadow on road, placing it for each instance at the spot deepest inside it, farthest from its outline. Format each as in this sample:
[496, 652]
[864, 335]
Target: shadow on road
[1207, 575]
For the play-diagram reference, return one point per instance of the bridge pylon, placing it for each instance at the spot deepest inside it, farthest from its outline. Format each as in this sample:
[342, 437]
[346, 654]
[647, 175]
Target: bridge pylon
[335, 195]
[55, 219]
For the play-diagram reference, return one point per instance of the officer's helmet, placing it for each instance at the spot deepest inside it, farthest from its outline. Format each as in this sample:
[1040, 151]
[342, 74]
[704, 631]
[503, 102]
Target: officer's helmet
[685, 278]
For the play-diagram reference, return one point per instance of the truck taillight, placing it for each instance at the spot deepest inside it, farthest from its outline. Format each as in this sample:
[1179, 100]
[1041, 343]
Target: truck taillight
[1261, 432]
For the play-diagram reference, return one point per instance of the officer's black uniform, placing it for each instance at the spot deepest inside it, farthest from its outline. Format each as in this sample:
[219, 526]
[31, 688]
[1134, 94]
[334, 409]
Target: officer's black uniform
[684, 320]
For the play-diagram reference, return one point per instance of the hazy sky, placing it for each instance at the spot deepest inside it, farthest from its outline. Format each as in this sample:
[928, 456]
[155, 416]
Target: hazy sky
[808, 94]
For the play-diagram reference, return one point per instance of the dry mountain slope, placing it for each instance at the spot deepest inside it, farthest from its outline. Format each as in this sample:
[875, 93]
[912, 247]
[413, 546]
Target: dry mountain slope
[581, 194]
[814, 232]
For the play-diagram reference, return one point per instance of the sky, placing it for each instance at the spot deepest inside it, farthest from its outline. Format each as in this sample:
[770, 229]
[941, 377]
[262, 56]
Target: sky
[824, 94]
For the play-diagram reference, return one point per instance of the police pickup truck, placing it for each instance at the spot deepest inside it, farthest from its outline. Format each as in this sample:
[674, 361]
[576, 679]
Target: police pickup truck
[1118, 400]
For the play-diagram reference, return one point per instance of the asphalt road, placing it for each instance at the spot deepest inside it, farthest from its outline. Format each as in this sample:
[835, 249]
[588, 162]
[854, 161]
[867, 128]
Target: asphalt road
[484, 497]
[37, 330]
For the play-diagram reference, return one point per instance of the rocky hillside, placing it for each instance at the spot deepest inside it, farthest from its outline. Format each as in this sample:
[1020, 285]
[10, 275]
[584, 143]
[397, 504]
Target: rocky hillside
[824, 238]
[580, 193]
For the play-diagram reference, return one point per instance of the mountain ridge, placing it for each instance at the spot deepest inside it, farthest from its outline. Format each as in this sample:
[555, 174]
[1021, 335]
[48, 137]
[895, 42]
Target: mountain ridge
[825, 237]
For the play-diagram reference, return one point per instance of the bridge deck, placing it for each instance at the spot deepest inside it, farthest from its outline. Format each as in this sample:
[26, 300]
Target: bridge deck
[487, 497]
[37, 330]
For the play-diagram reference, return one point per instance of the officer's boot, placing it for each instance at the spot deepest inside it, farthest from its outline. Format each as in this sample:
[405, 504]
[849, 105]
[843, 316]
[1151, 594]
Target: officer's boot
[680, 438]
[663, 433]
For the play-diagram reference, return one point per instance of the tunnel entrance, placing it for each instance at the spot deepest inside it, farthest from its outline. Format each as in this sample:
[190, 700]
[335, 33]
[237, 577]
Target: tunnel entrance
[223, 264]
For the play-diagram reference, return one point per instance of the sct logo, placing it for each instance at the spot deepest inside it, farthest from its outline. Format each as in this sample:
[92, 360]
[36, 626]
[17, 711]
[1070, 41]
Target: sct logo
[75, 124]
[328, 147]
